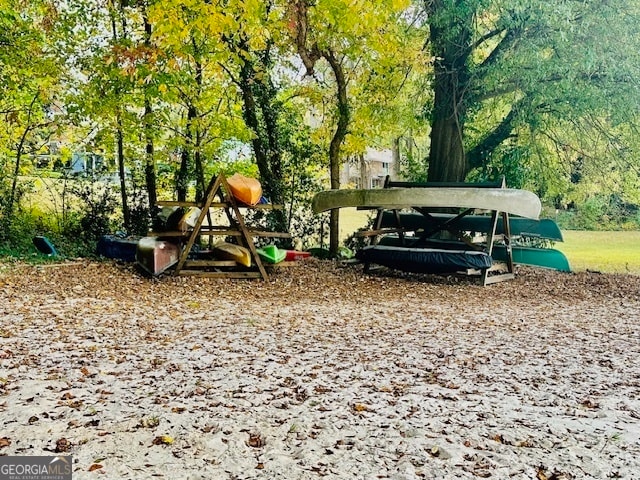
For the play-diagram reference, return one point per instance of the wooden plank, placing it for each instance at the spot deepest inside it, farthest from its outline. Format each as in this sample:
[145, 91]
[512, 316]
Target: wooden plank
[281, 264]
[382, 231]
[264, 233]
[219, 274]
[514, 201]
[176, 203]
[172, 233]
[210, 263]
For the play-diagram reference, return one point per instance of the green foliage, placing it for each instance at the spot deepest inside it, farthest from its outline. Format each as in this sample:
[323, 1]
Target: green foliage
[99, 205]
[601, 212]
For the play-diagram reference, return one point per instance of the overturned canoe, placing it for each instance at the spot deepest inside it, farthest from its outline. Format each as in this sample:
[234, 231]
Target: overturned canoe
[231, 251]
[535, 257]
[544, 228]
[513, 201]
[156, 256]
[244, 189]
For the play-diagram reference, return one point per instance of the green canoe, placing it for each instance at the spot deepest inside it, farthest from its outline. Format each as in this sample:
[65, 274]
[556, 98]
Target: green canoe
[526, 227]
[536, 257]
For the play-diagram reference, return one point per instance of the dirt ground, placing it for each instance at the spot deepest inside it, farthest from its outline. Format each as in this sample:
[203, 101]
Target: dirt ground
[322, 371]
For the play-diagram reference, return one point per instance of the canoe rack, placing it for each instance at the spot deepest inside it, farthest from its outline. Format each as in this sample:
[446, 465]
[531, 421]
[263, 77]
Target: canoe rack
[236, 227]
[390, 221]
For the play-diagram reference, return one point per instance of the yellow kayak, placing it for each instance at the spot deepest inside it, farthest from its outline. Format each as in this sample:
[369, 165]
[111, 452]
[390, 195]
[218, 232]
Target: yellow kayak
[231, 251]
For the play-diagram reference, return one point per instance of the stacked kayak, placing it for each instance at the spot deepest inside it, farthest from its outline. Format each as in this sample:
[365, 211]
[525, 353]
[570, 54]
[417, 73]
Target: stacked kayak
[231, 251]
[272, 254]
[244, 189]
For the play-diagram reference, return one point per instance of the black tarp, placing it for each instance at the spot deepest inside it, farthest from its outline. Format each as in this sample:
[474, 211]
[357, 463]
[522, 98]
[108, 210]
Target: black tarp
[424, 260]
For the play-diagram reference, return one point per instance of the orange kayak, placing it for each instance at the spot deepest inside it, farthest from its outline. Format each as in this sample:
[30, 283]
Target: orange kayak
[244, 189]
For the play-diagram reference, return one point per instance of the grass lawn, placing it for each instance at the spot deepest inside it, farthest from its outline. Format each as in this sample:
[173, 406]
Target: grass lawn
[606, 252]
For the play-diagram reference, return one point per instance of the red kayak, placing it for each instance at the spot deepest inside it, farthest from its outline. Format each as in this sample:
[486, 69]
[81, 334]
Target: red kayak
[293, 255]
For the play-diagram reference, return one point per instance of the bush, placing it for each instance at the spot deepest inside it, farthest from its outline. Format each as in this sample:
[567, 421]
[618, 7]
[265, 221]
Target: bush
[600, 213]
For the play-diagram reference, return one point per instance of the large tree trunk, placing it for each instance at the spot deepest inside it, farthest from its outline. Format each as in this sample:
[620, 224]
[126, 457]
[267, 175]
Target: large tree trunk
[447, 157]
[258, 97]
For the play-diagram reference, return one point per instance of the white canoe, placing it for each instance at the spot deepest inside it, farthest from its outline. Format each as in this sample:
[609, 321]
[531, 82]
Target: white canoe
[510, 200]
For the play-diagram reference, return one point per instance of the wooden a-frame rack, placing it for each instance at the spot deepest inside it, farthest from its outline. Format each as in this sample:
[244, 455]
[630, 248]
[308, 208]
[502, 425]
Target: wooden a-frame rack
[236, 228]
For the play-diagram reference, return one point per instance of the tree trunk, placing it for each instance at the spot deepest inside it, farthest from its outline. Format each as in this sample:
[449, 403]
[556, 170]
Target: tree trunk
[126, 214]
[150, 162]
[14, 183]
[182, 181]
[200, 182]
[447, 157]
[336, 143]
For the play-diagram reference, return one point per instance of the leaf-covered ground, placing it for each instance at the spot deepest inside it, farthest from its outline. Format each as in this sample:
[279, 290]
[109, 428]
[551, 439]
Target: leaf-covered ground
[321, 372]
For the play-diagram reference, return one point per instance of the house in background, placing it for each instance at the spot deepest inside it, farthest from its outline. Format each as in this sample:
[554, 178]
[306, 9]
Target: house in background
[87, 163]
[370, 169]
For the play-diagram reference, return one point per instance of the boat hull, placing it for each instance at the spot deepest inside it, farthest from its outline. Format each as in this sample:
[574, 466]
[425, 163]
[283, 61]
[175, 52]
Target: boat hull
[156, 256]
[294, 255]
[272, 254]
[231, 251]
[514, 201]
[244, 189]
[544, 228]
[536, 257]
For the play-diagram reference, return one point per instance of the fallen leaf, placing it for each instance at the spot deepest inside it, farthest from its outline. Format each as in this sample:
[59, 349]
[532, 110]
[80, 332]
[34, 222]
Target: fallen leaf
[163, 440]
[255, 440]
[63, 445]
[95, 466]
[4, 442]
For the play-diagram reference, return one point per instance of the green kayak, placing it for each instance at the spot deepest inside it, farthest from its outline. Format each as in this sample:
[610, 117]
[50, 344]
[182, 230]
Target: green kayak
[271, 254]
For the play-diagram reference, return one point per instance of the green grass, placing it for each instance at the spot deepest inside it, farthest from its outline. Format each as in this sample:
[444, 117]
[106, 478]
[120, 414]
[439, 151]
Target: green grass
[606, 252]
